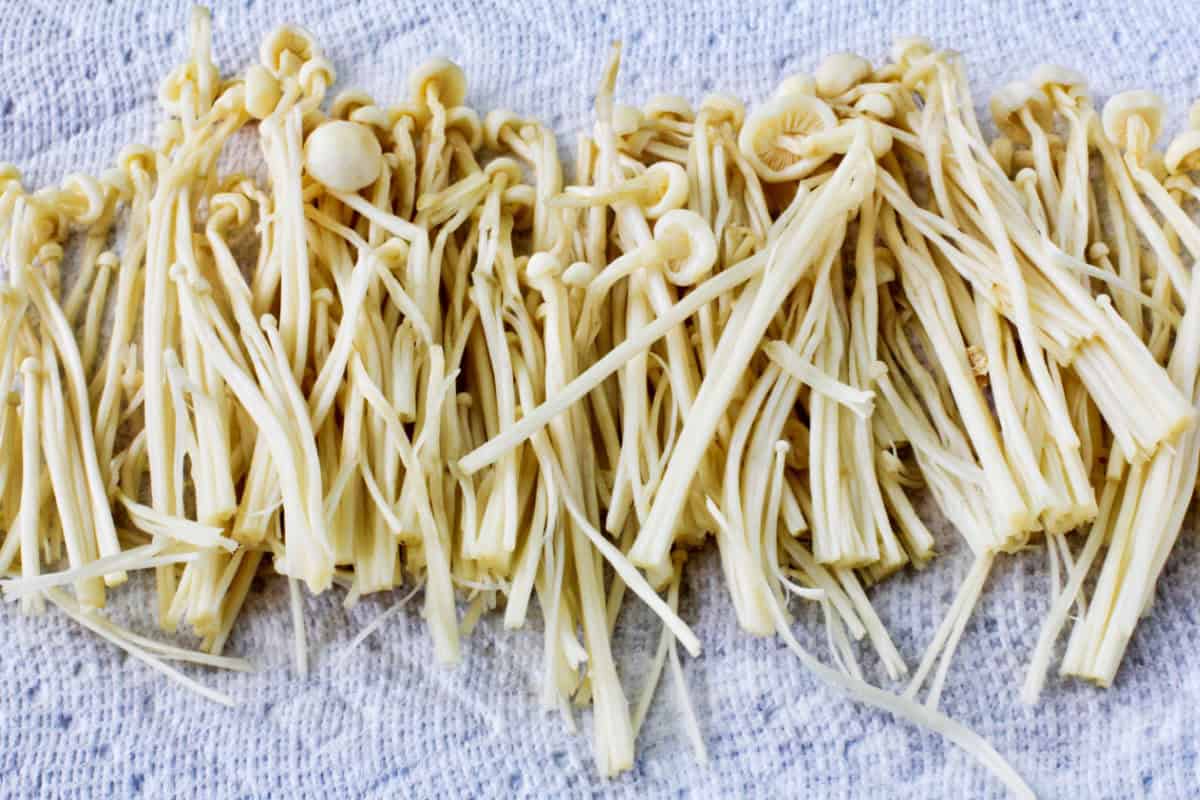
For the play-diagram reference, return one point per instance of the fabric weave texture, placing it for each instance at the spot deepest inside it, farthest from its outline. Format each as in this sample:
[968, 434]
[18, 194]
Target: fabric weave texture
[79, 719]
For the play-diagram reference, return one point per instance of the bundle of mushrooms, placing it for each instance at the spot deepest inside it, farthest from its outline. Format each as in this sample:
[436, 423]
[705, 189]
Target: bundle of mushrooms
[403, 351]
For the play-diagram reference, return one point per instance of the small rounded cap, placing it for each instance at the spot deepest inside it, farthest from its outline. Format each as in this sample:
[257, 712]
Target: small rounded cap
[626, 120]
[721, 107]
[770, 136]
[344, 156]
[443, 76]
[668, 188]
[689, 246]
[668, 106]
[1013, 98]
[262, 91]
[1121, 109]
[1183, 154]
[541, 266]
[800, 83]
[1048, 76]
[498, 122]
[840, 72]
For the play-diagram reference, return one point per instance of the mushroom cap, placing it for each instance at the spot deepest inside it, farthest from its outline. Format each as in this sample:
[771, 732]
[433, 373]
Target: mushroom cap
[721, 107]
[839, 72]
[668, 106]
[393, 253]
[465, 120]
[316, 76]
[795, 115]
[1001, 149]
[132, 157]
[286, 49]
[262, 91]
[875, 104]
[344, 156]
[543, 265]
[91, 195]
[1047, 76]
[578, 275]
[408, 113]
[31, 368]
[1122, 108]
[508, 167]
[519, 200]
[374, 116]
[799, 83]
[1183, 154]
[348, 101]
[669, 188]
[496, 123]
[1194, 115]
[1007, 104]
[907, 49]
[626, 119]
[688, 244]
[441, 75]
[230, 207]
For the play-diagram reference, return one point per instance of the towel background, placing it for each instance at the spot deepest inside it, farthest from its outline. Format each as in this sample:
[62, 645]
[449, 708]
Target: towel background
[77, 718]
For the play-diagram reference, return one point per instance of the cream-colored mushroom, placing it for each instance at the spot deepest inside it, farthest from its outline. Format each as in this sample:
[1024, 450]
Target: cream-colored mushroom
[721, 107]
[262, 91]
[286, 50]
[801, 83]
[839, 72]
[1133, 120]
[772, 136]
[441, 77]
[500, 128]
[663, 107]
[661, 188]
[464, 120]
[1052, 77]
[1183, 154]
[686, 245]
[344, 156]
[626, 120]
[1010, 104]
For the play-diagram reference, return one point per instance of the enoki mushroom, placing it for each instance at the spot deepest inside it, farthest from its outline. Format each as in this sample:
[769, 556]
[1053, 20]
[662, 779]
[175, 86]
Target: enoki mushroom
[422, 352]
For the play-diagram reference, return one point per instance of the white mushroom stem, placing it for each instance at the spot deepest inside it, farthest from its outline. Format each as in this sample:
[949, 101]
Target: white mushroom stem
[791, 255]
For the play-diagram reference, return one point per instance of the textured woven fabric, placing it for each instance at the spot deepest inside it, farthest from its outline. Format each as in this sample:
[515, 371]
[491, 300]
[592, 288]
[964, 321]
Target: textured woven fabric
[77, 718]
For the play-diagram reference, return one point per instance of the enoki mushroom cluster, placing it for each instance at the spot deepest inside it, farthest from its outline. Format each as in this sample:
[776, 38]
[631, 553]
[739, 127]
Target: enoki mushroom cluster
[401, 349]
